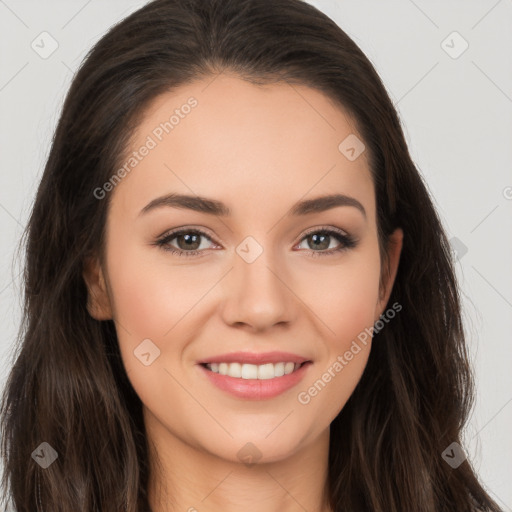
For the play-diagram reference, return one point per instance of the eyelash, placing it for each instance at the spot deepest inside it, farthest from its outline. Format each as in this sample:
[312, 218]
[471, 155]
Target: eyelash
[347, 241]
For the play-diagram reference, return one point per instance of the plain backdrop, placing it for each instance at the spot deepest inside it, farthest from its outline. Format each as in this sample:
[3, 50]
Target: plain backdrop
[447, 67]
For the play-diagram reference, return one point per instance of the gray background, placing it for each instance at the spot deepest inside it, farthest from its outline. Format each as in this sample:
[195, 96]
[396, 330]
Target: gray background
[456, 113]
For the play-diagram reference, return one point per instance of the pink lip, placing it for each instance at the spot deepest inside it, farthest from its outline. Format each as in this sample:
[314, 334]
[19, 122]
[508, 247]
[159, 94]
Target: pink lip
[255, 389]
[253, 358]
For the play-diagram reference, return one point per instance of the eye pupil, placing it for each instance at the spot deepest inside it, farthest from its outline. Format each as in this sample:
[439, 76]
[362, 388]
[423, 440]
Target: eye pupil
[190, 239]
[321, 244]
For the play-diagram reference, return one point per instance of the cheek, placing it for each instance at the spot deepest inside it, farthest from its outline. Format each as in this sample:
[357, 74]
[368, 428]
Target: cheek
[348, 310]
[345, 297]
[150, 302]
[151, 296]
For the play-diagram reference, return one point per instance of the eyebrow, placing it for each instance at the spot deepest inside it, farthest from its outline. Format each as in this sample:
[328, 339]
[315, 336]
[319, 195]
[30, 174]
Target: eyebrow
[214, 207]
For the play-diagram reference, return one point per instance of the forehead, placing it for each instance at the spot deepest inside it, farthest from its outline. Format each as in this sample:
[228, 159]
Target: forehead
[242, 143]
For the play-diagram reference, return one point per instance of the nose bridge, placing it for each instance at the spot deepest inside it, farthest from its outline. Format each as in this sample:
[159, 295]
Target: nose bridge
[257, 294]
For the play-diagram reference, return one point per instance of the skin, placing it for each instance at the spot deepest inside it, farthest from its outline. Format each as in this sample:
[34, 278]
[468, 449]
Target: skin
[259, 149]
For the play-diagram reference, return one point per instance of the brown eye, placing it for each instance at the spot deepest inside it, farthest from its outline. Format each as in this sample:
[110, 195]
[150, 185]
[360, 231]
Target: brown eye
[320, 240]
[188, 242]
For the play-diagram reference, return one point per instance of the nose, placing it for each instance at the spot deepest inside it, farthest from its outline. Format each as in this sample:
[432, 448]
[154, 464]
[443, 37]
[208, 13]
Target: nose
[257, 295]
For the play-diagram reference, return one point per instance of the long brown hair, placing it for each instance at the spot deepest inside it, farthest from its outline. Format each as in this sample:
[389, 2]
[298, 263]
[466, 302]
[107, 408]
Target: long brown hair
[68, 386]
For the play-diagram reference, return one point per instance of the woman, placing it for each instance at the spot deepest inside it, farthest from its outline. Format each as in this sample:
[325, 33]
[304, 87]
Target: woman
[238, 292]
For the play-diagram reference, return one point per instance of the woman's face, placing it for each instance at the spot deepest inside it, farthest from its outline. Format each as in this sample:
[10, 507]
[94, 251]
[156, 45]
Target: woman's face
[263, 278]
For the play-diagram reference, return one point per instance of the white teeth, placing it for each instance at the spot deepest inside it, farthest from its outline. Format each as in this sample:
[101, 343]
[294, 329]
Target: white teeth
[266, 371]
[288, 368]
[253, 371]
[234, 369]
[279, 369]
[249, 371]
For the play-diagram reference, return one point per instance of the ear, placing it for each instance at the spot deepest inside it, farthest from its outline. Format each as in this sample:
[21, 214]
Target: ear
[390, 268]
[98, 301]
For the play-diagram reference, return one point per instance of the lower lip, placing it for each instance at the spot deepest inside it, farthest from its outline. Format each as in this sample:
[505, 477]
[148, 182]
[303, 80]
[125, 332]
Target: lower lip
[256, 389]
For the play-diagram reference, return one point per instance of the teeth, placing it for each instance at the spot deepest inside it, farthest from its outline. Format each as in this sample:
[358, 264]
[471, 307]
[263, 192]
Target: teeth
[253, 371]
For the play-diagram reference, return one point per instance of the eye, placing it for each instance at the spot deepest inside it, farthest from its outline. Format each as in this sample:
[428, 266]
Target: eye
[322, 238]
[189, 241]
[186, 239]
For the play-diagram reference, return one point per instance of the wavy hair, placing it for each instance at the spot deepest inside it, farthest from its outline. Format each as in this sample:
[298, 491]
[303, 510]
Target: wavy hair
[68, 386]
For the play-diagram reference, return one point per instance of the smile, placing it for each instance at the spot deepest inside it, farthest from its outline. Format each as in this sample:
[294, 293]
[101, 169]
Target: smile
[253, 371]
[254, 382]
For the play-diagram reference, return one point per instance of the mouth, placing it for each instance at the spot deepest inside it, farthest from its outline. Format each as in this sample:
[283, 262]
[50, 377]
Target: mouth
[254, 382]
[249, 371]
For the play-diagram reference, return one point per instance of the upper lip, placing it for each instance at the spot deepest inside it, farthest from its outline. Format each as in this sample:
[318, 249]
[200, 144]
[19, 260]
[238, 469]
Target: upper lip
[255, 358]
